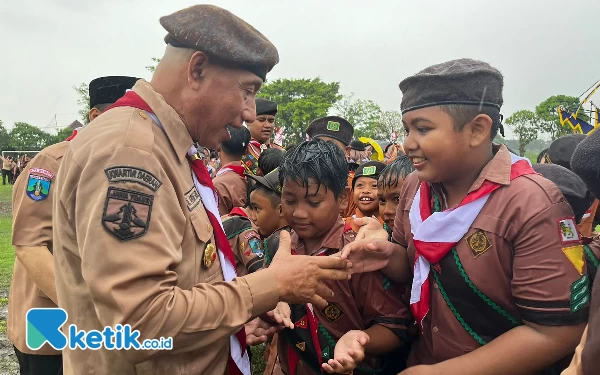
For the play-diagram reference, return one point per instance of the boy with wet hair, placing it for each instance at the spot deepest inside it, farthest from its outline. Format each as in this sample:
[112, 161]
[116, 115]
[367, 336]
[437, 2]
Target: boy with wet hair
[366, 316]
[389, 187]
[269, 160]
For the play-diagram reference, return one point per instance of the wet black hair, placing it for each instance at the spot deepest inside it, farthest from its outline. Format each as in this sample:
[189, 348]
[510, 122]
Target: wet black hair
[542, 155]
[399, 168]
[319, 160]
[269, 160]
[463, 114]
[238, 143]
[271, 195]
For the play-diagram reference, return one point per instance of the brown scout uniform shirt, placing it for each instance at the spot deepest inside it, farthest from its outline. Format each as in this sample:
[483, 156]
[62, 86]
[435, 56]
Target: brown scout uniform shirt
[359, 303]
[522, 267]
[32, 227]
[232, 190]
[130, 235]
[245, 243]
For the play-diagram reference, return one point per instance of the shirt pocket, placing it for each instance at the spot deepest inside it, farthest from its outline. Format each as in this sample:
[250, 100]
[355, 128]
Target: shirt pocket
[207, 267]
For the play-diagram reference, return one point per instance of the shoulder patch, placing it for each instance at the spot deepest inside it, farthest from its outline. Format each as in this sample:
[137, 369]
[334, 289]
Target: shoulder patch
[127, 213]
[132, 174]
[568, 231]
[192, 198]
[576, 257]
[38, 184]
[236, 225]
[256, 246]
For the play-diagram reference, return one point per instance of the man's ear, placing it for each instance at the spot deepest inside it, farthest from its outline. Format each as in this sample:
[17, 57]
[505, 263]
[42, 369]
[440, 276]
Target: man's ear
[197, 69]
[480, 129]
[343, 200]
[94, 112]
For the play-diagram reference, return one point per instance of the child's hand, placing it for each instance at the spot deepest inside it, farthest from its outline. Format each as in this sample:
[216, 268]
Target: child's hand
[258, 331]
[349, 352]
[370, 228]
[281, 315]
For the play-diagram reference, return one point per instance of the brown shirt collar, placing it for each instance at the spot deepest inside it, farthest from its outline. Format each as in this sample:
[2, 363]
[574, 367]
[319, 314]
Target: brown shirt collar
[173, 125]
[332, 240]
[496, 170]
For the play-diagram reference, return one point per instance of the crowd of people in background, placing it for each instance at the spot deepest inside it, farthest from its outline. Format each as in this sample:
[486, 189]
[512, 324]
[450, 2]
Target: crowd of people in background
[12, 167]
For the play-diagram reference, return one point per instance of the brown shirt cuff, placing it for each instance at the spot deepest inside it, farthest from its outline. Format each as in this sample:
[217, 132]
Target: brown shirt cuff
[263, 290]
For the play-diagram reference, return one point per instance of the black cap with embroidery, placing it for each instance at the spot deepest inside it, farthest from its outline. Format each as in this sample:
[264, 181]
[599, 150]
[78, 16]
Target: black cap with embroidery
[570, 185]
[462, 82]
[223, 36]
[370, 169]
[585, 162]
[265, 107]
[333, 127]
[270, 181]
[107, 90]
[561, 150]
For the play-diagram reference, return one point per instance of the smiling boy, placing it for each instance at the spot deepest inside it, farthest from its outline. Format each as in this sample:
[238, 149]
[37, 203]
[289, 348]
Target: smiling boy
[499, 284]
[364, 192]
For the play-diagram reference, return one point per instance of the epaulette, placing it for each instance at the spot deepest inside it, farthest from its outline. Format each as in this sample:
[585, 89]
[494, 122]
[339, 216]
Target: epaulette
[236, 225]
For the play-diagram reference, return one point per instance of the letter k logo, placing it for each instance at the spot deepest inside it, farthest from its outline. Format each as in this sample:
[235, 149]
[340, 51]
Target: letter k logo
[43, 325]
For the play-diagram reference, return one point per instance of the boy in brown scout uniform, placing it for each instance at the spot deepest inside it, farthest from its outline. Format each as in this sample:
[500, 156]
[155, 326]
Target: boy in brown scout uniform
[137, 236]
[364, 193]
[230, 181]
[261, 131]
[499, 285]
[32, 284]
[339, 131]
[366, 318]
[389, 188]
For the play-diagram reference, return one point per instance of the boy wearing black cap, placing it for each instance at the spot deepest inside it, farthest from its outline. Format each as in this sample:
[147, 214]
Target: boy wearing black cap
[230, 181]
[498, 285]
[364, 193]
[261, 131]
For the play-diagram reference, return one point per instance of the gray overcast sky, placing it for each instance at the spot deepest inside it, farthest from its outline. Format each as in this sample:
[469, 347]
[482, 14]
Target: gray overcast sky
[542, 47]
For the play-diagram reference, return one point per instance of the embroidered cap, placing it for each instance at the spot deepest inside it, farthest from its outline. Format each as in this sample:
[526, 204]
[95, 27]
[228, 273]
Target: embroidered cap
[370, 169]
[265, 107]
[561, 150]
[107, 90]
[333, 127]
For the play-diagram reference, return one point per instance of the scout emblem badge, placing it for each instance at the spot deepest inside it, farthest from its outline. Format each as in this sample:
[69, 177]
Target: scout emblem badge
[126, 213]
[333, 126]
[38, 185]
[478, 243]
[210, 256]
[369, 171]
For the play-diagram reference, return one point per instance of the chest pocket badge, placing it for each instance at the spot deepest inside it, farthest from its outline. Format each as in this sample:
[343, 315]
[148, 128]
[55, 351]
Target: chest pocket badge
[210, 256]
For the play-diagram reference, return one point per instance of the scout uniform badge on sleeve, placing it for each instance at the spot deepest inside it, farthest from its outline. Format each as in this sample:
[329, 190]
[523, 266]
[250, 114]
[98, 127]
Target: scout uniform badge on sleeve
[38, 185]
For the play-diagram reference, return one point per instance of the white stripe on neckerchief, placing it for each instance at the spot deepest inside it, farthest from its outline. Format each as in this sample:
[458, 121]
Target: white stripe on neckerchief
[209, 199]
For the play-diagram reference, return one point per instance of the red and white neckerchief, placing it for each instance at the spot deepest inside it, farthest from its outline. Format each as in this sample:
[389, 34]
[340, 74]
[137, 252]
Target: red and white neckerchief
[436, 233]
[239, 363]
[74, 134]
[239, 169]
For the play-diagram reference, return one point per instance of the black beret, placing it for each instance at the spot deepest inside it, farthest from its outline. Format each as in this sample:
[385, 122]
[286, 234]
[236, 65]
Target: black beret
[570, 185]
[370, 169]
[270, 181]
[221, 35]
[462, 81]
[585, 162]
[561, 150]
[265, 107]
[333, 127]
[107, 90]
[357, 145]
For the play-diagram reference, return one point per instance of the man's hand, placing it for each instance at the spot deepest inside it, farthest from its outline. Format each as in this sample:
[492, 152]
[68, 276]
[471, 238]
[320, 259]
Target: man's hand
[300, 277]
[282, 315]
[258, 331]
[368, 255]
[370, 229]
[349, 352]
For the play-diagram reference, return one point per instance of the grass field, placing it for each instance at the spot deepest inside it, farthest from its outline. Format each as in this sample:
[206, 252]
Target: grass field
[7, 254]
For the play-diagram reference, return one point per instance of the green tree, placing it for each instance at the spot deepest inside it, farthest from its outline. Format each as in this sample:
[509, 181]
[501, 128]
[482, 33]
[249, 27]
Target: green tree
[548, 115]
[299, 102]
[83, 101]
[364, 115]
[62, 135]
[24, 136]
[389, 122]
[4, 138]
[525, 125]
[152, 68]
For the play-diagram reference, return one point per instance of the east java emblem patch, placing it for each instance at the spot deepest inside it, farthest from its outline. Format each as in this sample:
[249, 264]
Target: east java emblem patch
[38, 184]
[127, 213]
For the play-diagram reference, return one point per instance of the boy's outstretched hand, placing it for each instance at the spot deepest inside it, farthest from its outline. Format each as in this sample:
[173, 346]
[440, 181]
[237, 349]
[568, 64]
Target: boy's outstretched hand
[299, 277]
[370, 229]
[349, 352]
[282, 315]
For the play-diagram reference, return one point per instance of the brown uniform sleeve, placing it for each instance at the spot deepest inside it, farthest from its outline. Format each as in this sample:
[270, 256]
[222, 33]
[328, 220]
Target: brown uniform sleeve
[135, 281]
[32, 211]
[381, 303]
[246, 244]
[549, 282]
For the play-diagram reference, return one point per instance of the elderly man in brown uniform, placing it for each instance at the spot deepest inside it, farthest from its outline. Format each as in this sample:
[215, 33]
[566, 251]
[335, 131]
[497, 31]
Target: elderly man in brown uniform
[32, 283]
[138, 239]
[499, 283]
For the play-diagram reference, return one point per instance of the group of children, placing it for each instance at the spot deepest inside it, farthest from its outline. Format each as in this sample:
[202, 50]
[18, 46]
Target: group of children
[506, 268]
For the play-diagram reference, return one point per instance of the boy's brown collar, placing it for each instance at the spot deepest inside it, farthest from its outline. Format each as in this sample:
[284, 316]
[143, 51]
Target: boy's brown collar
[331, 240]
